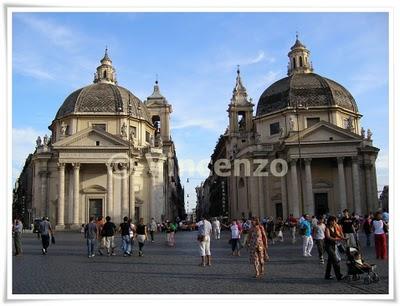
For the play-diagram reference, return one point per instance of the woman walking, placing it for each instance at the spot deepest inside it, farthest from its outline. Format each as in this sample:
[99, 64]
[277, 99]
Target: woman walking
[378, 228]
[235, 236]
[141, 235]
[257, 244]
[332, 236]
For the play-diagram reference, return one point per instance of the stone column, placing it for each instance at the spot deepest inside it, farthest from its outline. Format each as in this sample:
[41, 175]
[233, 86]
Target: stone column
[294, 207]
[151, 186]
[43, 193]
[76, 195]
[109, 207]
[342, 184]
[309, 191]
[132, 193]
[356, 185]
[284, 197]
[368, 181]
[61, 196]
[124, 204]
[261, 192]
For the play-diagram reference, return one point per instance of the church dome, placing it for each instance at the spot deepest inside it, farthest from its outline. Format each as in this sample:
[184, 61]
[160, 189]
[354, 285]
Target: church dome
[303, 87]
[104, 96]
[307, 89]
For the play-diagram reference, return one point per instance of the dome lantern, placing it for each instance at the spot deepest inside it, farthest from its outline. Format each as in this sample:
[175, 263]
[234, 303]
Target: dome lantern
[105, 72]
[299, 58]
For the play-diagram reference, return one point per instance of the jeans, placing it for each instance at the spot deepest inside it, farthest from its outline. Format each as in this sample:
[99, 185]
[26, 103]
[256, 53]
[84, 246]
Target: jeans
[45, 241]
[368, 238]
[152, 235]
[90, 246]
[307, 244]
[126, 244]
[351, 241]
[234, 244]
[320, 247]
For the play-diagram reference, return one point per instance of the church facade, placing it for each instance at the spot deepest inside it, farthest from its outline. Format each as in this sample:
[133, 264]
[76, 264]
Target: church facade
[109, 154]
[312, 124]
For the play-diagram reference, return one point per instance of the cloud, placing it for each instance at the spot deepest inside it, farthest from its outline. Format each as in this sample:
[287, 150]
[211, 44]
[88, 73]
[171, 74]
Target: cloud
[23, 143]
[230, 61]
[57, 34]
[367, 81]
[31, 67]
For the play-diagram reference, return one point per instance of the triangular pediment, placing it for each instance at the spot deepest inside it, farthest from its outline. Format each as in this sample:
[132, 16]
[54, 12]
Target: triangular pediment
[322, 132]
[91, 137]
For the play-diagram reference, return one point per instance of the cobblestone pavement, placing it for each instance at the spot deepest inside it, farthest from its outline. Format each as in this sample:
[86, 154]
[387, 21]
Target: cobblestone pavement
[67, 270]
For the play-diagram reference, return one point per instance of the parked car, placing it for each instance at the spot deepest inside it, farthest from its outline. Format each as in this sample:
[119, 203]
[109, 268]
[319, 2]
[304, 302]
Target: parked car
[36, 224]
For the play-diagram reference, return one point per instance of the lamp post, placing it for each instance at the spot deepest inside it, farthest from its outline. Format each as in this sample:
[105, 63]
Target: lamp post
[298, 105]
[129, 158]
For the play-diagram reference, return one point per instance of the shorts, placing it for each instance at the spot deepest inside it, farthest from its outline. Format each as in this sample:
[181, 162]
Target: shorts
[205, 246]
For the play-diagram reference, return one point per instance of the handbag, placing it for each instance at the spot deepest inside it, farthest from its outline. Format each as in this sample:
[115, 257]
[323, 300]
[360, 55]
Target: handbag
[337, 254]
[53, 240]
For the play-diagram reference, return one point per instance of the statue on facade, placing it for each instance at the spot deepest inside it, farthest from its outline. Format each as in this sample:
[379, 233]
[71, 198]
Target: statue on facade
[123, 131]
[369, 134]
[45, 140]
[131, 135]
[38, 141]
[281, 132]
[152, 140]
[362, 133]
[159, 141]
[349, 125]
[63, 129]
[291, 124]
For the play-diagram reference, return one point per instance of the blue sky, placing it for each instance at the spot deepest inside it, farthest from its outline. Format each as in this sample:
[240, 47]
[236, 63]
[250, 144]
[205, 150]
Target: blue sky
[195, 56]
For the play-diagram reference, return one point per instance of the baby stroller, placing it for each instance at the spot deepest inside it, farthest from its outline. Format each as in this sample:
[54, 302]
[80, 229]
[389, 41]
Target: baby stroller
[357, 266]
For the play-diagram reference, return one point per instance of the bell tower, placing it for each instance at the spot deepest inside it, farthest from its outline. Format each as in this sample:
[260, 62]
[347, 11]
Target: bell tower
[240, 109]
[299, 58]
[160, 111]
[105, 72]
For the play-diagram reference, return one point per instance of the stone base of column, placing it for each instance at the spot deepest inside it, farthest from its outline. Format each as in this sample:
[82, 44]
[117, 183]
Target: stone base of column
[60, 227]
[75, 227]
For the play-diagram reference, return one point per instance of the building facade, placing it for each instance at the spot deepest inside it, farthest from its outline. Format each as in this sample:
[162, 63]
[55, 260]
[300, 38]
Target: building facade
[311, 124]
[109, 154]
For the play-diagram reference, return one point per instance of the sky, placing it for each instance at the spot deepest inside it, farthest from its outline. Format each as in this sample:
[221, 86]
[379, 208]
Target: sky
[194, 56]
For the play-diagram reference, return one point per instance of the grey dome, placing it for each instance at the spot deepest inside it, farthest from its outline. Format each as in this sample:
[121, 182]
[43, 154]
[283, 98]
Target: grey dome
[308, 89]
[102, 98]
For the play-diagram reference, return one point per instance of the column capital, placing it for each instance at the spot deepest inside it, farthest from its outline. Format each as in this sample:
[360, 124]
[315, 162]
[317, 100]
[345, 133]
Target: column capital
[110, 166]
[307, 161]
[60, 165]
[340, 159]
[292, 161]
[76, 166]
[356, 159]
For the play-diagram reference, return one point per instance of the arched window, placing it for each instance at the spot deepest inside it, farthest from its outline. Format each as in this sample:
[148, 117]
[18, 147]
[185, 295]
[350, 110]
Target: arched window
[294, 62]
[105, 74]
[301, 61]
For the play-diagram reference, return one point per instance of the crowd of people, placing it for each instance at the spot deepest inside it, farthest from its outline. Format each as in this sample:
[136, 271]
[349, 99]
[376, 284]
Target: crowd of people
[330, 235]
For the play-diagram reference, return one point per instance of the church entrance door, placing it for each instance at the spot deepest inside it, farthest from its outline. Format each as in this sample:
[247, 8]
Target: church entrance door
[95, 207]
[321, 203]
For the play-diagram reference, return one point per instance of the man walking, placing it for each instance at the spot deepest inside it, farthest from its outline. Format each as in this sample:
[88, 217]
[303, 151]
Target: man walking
[126, 240]
[100, 238]
[90, 235]
[307, 238]
[45, 231]
[17, 233]
[203, 236]
[216, 228]
[152, 228]
[348, 228]
[108, 233]
[319, 236]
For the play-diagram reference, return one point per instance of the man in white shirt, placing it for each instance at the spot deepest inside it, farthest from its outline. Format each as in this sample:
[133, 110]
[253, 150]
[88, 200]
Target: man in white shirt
[203, 236]
[216, 228]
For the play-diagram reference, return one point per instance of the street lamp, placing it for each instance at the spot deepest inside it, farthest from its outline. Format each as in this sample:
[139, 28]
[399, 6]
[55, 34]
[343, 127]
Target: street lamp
[129, 158]
[299, 105]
